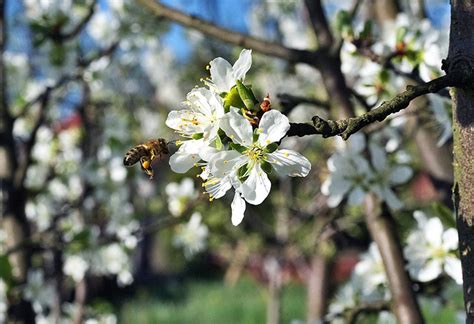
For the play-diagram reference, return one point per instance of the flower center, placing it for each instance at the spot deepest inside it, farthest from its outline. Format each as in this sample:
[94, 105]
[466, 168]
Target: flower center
[255, 153]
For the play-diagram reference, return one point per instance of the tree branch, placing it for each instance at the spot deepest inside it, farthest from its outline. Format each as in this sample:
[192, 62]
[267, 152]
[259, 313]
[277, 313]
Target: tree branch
[347, 127]
[229, 36]
[63, 36]
[289, 102]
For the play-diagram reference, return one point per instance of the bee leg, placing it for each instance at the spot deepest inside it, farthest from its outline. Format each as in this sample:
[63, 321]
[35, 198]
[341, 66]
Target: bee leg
[145, 163]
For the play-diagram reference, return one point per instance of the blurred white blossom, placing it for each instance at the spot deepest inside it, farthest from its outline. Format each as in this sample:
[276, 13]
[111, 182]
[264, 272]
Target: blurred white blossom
[192, 236]
[431, 250]
[179, 195]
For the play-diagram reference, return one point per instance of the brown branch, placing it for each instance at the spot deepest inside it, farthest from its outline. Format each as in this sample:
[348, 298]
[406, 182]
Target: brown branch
[319, 22]
[289, 102]
[373, 307]
[347, 127]
[382, 229]
[259, 45]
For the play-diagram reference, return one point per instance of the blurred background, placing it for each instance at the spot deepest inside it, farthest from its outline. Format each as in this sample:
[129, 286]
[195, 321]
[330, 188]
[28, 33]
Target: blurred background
[85, 239]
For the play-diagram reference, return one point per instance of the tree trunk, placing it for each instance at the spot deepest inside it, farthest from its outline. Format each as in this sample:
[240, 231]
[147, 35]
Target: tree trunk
[461, 60]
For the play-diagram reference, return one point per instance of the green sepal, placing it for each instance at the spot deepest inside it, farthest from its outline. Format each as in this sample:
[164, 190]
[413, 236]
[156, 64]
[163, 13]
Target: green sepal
[266, 167]
[270, 148]
[246, 95]
[197, 136]
[343, 23]
[218, 143]
[401, 33]
[232, 99]
[243, 172]
[237, 147]
[367, 31]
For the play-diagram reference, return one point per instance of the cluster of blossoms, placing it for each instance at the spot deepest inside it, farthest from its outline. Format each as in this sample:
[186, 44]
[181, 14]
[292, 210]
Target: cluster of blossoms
[232, 138]
[405, 47]
[353, 176]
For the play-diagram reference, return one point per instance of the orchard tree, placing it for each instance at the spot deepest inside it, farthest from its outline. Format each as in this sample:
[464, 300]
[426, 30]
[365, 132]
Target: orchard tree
[256, 133]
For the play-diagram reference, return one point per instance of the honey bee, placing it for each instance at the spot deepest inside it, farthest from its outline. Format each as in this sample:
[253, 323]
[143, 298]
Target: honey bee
[146, 153]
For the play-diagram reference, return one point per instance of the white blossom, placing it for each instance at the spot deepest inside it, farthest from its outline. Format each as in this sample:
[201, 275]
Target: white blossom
[192, 236]
[75, 267]
[243, 168]
[179, 195]
[224, 75]
[431, 250]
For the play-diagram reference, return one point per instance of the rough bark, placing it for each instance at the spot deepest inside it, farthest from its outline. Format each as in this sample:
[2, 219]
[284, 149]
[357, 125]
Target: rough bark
[461, 60]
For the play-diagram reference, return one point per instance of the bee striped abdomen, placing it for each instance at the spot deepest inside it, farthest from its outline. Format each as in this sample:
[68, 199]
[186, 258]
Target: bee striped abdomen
[134, 154]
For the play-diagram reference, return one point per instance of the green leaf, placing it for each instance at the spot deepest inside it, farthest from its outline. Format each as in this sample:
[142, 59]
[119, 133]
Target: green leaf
[270, 148]
[237, 147]
[5, 268]
[246, 95]
[197, 136]
[266, 167]
[445, 214]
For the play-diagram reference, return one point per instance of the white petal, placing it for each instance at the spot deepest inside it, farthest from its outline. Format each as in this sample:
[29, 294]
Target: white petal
[181, 162]
[356, 143]
[453, 268]
[223, 163]
[288, 162]
[238, 209]
[217, 187]
[237, 127]
[242, 65]
[400, 174]
[334, 200]
[434, 232]
[450, 239]
[273, 126]
[431, 270]
[356, 197]
[378, 157]
[421, 218]
[179, 120]
[222, 74]
[257, 186]
[387, 195]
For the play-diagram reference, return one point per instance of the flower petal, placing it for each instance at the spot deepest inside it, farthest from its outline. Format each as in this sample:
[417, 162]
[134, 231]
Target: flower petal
[400, 174]
[237, 127]
[223, 163]
[257, 186]
[222, 75]
[238, 209]
[186, 156]
[431, 270]
[450, 239]
[273, 126]
[453, 268]
[356, 196]
[378, 157]
[434, 232]
[242, 65]
[288, 162]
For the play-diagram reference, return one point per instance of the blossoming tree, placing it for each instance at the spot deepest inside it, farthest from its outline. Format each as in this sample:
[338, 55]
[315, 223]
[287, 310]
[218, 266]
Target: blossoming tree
[72, 214]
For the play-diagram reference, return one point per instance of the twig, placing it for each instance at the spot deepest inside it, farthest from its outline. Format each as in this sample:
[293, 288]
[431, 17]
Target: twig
[372, 307]
[347, 127]
[80, 25]
[289, 102]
